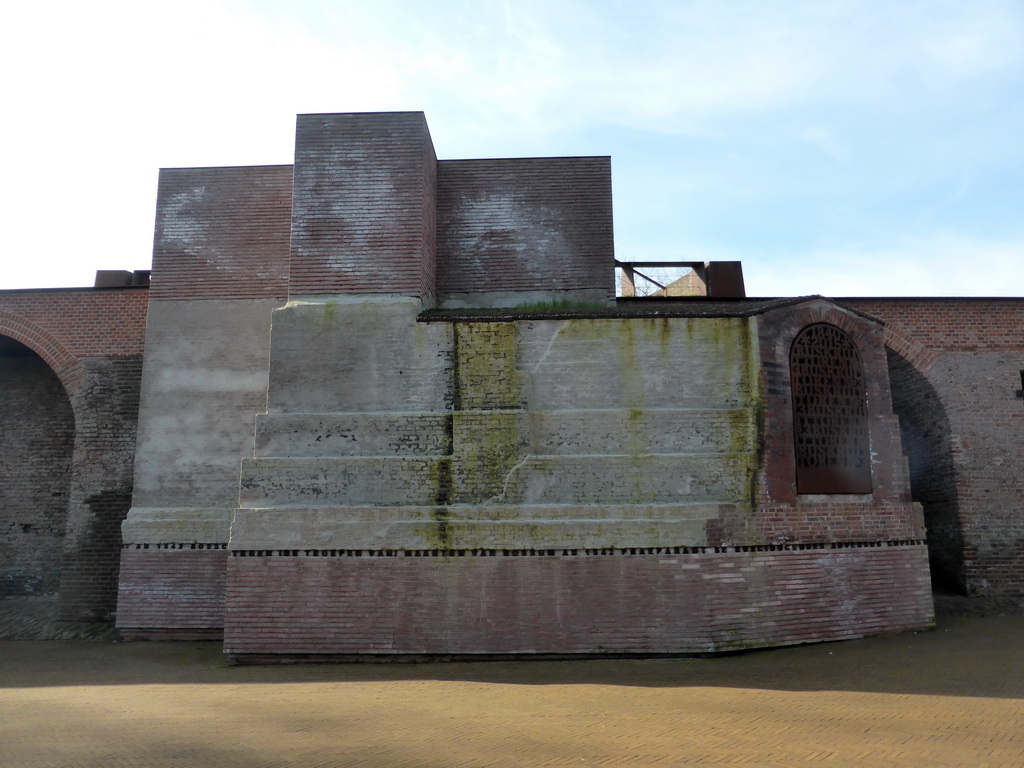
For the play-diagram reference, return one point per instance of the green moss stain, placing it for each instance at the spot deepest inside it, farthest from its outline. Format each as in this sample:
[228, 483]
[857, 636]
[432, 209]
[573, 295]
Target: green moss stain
[556, 305]
[439, 536]
[437, 533]
[744, 441]
[441, 482]
[485, 366]
[488, 426]
[330, 313]
[636, 444]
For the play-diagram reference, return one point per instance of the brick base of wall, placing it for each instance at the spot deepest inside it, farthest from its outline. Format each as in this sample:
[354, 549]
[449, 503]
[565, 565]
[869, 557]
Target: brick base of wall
[171, 594]
[337, 606]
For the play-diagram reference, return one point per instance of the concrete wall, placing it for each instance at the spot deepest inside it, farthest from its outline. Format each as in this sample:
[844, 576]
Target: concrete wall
[220, 266]
[539, 486]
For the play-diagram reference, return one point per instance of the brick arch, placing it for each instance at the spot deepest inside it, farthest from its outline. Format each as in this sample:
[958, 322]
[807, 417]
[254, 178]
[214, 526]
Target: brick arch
[821, 311]
[61, 361]
[779, 328]
[899, 340]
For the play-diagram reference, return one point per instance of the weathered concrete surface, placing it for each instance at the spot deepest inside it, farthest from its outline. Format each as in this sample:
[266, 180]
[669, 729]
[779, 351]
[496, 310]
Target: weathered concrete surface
[639, 432]
[498, 526]
[462, 425]
[299, 435]
[205, 377]
[334, 482]
[358, 354]
[640, 363]
[177, 525]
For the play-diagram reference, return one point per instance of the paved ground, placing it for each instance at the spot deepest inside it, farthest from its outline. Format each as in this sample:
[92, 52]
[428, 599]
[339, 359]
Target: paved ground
[952, 697]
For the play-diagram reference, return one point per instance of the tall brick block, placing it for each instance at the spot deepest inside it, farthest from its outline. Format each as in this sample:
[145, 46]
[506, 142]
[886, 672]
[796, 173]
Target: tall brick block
[222, 233]
[524, 227]
[363, 212]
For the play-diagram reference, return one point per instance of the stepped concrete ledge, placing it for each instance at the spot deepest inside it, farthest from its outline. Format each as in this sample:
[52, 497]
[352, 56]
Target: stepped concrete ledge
[176, 525]
[470, 527]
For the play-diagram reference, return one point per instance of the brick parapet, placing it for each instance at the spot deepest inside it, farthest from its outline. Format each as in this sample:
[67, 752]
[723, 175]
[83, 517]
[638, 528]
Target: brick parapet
[363, 206]
[222, 233]
[530, 224]
[64, 325]
[954, 324]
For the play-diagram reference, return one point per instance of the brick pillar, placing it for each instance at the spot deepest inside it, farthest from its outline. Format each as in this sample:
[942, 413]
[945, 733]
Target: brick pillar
[364, 206]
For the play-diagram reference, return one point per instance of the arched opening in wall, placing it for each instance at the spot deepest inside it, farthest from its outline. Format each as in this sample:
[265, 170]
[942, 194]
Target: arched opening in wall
[37, 429]
[925, 434]
[830, 415]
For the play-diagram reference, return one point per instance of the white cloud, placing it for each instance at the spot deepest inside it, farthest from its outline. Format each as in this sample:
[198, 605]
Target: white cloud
[109, 91]
[941, 264]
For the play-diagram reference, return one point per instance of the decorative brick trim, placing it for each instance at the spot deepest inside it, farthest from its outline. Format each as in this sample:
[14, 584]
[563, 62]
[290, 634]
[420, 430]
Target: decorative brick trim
[46, 345]
[899, 339]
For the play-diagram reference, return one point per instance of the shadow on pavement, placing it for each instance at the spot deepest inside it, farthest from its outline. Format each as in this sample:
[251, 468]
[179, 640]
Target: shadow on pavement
[978, 656]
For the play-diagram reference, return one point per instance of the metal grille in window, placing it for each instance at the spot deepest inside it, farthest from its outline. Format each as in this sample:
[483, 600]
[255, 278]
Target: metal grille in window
[830, 417]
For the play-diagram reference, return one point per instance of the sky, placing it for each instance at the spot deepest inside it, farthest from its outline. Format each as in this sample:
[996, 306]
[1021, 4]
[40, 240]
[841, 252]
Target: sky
[835, 147]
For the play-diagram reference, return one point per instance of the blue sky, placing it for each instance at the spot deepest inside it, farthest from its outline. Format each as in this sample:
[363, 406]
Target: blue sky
[847, 147]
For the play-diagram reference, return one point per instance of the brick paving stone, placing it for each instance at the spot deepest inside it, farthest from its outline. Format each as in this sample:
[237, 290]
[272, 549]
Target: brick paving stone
[952, 697]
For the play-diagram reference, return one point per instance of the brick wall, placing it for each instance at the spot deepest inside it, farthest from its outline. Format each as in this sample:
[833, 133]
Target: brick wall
[106, 407]
[777, 330]
[567, 601]
[64, 324]
[953, 324]
[955, 366]
[36, 438]
[222, 233]
[541, 224]
[927, 443]
[92, 340]
[363, 208]
[172, 592]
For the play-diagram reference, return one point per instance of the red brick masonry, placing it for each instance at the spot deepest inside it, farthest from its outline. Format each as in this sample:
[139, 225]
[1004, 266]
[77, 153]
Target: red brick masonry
[569, 602]
[172, 593]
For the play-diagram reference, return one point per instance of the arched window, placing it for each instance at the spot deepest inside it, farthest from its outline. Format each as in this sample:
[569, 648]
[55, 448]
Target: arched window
[830, 416]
